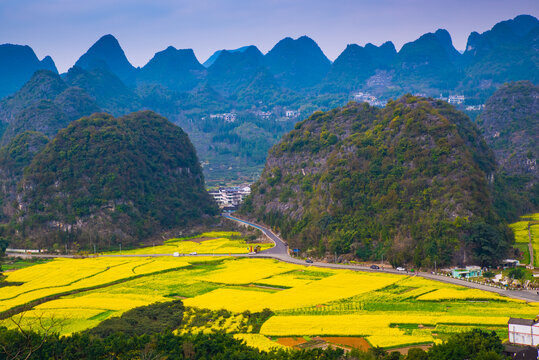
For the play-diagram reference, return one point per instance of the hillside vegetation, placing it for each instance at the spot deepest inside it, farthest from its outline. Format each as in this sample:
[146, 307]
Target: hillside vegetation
[510, 125]
[109, 180]
[407, 182]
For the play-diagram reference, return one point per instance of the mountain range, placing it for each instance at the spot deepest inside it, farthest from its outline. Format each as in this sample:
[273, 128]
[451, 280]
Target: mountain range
[429, 64]
[258, 88]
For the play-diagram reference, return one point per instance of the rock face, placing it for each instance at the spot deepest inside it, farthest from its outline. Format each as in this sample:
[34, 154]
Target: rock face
[106, 180]
[17, 65]
[408, 181]
[510, 124]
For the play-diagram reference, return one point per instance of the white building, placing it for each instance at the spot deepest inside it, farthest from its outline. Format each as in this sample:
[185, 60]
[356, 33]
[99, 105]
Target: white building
[475, 107]
[523, 331]
[368, 98]
[456, 99]
[231, 196]
[228, 117]
[263, 114]
[292, 113]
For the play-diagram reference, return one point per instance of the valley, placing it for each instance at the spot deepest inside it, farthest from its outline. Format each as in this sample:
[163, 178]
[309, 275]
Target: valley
[287, 200]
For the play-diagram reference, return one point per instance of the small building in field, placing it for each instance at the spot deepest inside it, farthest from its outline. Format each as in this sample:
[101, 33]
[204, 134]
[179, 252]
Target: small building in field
[467, 272]
[523, 331]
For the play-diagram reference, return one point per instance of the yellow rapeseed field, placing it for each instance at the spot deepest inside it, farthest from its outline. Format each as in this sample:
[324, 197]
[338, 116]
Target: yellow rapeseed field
[366, 325]
[460, 294]
[206, 243]
[62, 275]
[388, 310]
[342, 285]
[260, 342]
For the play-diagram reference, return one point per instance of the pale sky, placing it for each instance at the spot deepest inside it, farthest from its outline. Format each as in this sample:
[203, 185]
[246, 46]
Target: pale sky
[65, 29]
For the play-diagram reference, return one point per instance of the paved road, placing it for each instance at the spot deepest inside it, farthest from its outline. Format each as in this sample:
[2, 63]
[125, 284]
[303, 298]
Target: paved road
[280, 252]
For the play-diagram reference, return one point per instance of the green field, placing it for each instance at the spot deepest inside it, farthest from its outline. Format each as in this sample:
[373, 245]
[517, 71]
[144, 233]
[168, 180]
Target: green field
[387, 310]
[522, 240]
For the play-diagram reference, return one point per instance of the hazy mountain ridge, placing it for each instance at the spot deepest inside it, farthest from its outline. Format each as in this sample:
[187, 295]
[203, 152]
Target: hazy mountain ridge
[17, 65]
[296, 76]
[45, 104]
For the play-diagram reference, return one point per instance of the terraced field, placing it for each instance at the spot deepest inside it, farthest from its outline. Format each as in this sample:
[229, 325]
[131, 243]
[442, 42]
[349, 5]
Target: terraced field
[216, 242]
[522, 239]
[387, 310]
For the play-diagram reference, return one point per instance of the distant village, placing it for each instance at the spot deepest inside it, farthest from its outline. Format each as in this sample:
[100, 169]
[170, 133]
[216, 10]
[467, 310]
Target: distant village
[232, 116]
[451, 99]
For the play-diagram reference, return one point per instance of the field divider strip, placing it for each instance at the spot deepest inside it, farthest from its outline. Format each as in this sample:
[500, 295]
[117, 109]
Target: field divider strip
[31, 304]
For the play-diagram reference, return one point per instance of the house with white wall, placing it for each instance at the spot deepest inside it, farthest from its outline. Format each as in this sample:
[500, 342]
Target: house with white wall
[523, 331]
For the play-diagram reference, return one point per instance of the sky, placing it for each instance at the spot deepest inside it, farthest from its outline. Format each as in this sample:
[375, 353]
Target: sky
[65, 29]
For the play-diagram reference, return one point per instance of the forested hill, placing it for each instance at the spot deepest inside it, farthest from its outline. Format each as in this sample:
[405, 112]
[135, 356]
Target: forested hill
[408, 181]
[106, 180]
[510, 124]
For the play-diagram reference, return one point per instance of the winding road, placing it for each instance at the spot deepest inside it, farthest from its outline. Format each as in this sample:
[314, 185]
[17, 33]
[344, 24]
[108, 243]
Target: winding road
[280, 252]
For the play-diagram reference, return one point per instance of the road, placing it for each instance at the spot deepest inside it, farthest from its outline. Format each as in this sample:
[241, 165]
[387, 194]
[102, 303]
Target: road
[280, 252]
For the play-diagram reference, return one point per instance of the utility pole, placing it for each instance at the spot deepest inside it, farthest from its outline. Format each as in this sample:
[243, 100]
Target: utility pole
[435, 266]
[94, 249]
[382, 259]
[335, 257]
[120, 248]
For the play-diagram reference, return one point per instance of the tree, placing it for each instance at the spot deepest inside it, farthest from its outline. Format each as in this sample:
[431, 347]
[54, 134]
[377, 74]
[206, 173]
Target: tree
[23, 343]
[3, 246]
[474, 345]
[517, 273]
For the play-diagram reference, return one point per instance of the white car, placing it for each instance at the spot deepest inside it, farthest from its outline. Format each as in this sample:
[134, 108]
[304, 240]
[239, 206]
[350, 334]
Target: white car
[401, 269]
[176, 254]
[193, 253]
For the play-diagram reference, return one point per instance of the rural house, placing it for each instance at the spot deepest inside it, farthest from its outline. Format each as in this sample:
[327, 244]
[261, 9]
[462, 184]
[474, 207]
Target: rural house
[523, 331]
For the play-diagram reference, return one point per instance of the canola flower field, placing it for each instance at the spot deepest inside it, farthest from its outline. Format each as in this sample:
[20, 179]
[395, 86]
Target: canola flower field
[387, 310]
[520, 229]
[215, 242]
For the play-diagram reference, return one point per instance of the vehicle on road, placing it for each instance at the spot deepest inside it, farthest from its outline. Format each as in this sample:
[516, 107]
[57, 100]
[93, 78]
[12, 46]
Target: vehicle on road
[375, 267]
[401, 269]
[176, 254]
[193, 253]
[309, 261]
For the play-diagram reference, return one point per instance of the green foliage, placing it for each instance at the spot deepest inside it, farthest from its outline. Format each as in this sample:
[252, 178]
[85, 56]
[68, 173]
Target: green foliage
[517, 273]
[3, 246]
[408, 182]
[123, 179]
[476, 344]
[510, 124]
[144, 320]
